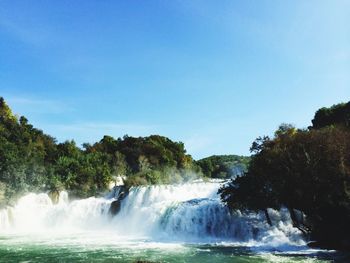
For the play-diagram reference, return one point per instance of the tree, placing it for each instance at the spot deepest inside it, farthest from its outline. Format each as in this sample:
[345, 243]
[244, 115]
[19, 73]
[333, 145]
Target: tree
[223, 166]
[338, 114]
[31, 160]
[302, 170]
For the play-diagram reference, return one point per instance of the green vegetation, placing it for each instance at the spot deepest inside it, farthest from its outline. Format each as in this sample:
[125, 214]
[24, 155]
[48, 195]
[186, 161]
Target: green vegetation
[33, 161]
[149, 160]
[223, 166]
[338, 114]
[303, 170]
[306, 170]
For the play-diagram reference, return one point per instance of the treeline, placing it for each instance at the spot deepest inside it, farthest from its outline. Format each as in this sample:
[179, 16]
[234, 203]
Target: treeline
[33, 161]
[305, 170]
[223, 166]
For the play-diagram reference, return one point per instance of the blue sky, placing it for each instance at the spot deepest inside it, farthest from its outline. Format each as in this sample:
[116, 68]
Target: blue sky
[213, 74]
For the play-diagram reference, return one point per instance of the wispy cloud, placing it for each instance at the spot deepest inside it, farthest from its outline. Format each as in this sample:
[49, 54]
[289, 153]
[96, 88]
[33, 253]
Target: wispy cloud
[23, 105]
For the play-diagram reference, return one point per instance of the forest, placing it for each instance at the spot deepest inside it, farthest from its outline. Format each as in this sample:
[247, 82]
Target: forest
[305, 170]
[223, 166]
[31, 160]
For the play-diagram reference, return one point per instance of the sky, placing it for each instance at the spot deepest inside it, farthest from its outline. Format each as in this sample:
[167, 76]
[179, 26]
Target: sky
[212, 74]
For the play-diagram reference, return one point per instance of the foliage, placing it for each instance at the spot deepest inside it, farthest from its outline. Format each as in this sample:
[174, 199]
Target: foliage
[305, 170]
[223, 166]
[338, 114]
[31, 160]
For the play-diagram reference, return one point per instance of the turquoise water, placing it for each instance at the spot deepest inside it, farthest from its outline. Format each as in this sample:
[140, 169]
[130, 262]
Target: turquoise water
[106, 248]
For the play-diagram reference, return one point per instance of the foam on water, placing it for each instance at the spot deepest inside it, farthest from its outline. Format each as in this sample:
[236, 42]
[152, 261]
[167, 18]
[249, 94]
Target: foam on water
[189, 212]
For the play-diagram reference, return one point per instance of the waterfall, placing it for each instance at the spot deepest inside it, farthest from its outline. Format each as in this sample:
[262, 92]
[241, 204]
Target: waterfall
[35, 213]
[187, 212]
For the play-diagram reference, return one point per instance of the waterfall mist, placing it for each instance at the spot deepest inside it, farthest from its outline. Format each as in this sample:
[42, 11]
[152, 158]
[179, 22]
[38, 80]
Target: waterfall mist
[189, 212]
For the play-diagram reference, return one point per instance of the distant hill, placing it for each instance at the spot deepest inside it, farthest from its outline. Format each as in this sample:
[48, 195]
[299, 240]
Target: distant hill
[223, 166]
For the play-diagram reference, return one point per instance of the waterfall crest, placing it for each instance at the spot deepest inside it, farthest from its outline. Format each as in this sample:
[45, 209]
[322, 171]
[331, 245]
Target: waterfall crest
[187, 212]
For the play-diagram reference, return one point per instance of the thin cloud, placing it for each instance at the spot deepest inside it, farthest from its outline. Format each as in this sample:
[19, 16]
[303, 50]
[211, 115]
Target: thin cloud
[34, 105]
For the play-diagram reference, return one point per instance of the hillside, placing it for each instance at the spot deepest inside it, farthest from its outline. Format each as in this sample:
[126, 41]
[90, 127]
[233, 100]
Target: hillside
[223, 166]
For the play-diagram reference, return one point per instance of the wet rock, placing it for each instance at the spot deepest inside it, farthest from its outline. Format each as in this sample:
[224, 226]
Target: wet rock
[54, 196]
[114, 208]
[116, 204]
[341, 245]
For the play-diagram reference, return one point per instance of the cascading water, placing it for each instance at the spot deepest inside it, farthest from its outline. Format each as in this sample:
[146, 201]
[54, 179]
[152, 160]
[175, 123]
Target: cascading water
[36, 213]
[190, 212]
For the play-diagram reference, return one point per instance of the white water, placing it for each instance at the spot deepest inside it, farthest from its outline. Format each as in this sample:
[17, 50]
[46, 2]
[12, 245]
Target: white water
[188, 213]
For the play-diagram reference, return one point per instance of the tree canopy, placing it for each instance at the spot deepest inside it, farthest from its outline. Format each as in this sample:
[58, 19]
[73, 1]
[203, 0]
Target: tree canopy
[223, 166]
[305, 170]
[338, 114]
[31, 160]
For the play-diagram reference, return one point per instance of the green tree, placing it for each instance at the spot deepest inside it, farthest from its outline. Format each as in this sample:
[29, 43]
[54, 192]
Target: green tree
[302, 170]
